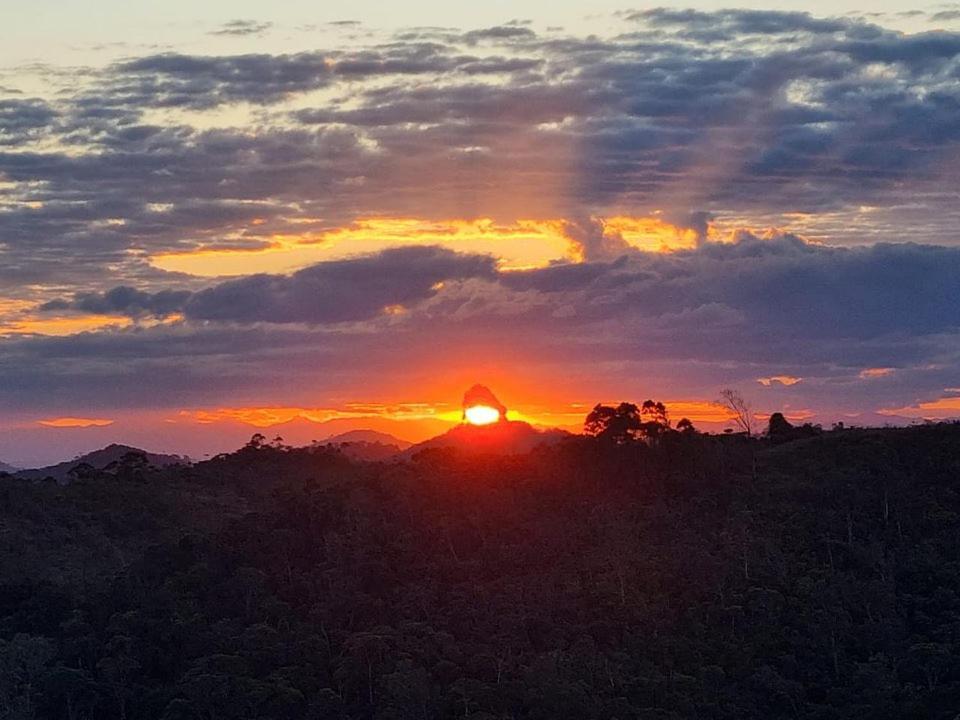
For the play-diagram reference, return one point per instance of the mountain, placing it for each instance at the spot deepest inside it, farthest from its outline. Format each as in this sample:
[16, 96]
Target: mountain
[367, 436]
[99, 459]
[508, 437]
[367, 445]
[4, 468]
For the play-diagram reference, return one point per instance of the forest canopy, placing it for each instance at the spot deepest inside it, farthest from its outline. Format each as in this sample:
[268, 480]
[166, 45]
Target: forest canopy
[802, 576]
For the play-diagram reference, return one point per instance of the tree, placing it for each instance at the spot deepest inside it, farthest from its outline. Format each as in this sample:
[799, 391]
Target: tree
[618, 424]
[686, 426]
[655, 418]
[257, 441]
[741, 409]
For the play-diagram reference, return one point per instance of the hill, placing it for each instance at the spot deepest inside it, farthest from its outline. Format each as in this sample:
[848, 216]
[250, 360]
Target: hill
[367, 436]
[4, 468]
[366, 445]
[99, 459]
[698, 577]
[507, 437]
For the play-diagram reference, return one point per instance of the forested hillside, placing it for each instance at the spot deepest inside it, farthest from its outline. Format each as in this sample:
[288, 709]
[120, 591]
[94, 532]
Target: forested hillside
[694, 577]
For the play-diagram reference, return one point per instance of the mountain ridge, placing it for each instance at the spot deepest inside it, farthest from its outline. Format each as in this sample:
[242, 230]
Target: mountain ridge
[99, 459]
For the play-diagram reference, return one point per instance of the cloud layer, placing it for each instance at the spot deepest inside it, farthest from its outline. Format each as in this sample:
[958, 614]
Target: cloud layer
[680, 324]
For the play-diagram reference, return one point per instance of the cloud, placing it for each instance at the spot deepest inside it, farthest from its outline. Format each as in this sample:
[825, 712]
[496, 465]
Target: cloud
[876, 372]
[942, 408]
[122, 301]
[199, 82]
[721, 314]
[843, 130]
[499, 33]
[785, 380]
[74, 422]
[23, 120]
[724, 23]
[331, 292]
[339, 291]
[243, 28]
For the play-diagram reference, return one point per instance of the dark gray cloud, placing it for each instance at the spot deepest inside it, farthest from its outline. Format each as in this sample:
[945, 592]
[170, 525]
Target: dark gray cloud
[23, 119]
[724, 23]
[338, 291]
[778, 287]
[499, 33]
[243, 28]
[330, 292]
[176, 80]
[123, 300]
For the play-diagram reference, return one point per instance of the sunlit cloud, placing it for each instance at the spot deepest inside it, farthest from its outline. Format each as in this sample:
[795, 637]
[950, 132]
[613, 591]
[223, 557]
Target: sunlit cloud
[786, 380]
[878, 372]
[939, 409]
[74, 422]
[566, 415]
[522, 244]
[60, 326]
[264, 417]
[652, 234]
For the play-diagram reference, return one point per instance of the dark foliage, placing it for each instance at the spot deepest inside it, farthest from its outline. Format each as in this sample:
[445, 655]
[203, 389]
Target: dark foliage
[692, 577]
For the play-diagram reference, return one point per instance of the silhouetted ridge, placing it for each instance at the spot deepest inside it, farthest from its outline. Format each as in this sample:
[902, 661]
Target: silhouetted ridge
[100, 459]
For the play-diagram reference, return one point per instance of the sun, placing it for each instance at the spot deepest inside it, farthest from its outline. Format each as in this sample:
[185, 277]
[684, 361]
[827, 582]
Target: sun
[481, 415]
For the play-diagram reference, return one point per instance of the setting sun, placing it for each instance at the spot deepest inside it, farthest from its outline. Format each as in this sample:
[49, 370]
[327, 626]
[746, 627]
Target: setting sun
[481, 415]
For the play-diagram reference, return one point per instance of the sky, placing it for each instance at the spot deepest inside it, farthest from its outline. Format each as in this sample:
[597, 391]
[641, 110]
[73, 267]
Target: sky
[224, 218]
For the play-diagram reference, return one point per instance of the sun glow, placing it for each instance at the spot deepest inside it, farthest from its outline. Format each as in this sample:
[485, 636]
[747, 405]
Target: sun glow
[481, 415]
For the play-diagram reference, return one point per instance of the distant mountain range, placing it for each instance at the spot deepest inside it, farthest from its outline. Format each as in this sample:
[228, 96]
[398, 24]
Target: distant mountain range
[509, 437]
[98, 459]
[502, 438]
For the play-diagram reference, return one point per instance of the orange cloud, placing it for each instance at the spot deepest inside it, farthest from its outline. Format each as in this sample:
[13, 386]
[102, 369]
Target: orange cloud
[940, 409]
[269, 416]
[698, 411]
[33, 325]
[878, 372]
[75, 422]
[524, 243]
[566, 415]
[651, 234]
[520, 244]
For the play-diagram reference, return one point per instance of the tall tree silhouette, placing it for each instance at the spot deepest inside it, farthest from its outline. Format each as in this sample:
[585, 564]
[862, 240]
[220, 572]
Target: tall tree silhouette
[618, 424]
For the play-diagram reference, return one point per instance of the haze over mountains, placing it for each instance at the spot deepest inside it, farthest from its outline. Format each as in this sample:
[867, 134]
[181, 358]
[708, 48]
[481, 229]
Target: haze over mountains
[197, 440]
[99, 459]
[509, 437]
